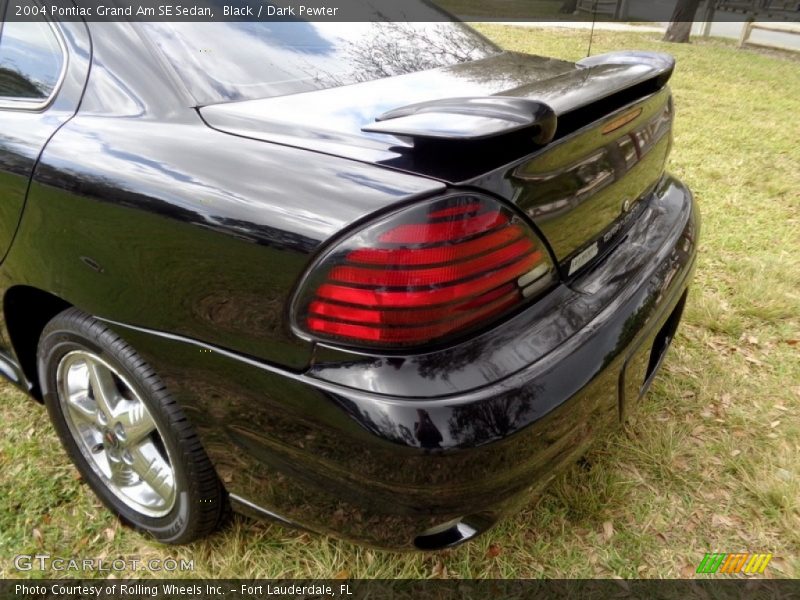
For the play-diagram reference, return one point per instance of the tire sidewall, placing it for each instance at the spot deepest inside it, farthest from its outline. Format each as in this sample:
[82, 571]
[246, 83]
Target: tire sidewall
[56, 344]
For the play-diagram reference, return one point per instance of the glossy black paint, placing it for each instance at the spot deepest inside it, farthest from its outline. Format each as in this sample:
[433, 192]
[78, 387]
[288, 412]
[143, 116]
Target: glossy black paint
[191, 231]
[380, 450]
[187, 230]
[572, 190]
[331, 120]
[456, 120]
[24, 133]
[576, 189]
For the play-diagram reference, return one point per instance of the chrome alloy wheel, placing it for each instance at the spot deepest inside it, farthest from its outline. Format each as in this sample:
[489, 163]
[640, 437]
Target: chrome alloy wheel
[116, 433]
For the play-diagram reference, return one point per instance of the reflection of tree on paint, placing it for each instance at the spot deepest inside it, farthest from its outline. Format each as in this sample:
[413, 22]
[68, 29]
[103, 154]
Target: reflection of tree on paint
[278, 59]
[426, 431]
[493, 419]
[15, 85]
[393, 49]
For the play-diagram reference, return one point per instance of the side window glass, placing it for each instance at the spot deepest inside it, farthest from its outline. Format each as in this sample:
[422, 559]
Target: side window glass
[31, 60]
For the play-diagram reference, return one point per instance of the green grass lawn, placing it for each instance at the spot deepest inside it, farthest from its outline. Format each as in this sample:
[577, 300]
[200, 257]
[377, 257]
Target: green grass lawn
[711, 462]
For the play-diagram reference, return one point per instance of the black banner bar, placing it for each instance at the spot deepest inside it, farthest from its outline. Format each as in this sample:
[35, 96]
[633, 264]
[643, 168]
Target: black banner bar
[234, 589]
[777, 11]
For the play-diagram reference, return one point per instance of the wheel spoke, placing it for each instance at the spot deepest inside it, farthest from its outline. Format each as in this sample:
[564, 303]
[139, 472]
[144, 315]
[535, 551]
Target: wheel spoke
[78, 407]
[137, 422]
[154, 470]
[104, 389]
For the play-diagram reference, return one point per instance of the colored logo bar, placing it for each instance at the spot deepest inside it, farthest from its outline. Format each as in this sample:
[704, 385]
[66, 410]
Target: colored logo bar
[734, 563]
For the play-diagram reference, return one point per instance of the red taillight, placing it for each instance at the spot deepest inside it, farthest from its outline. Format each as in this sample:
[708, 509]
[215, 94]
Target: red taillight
[423, 274]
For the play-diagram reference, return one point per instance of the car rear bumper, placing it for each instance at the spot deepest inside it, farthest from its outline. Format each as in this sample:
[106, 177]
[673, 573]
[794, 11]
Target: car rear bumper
[431, 450]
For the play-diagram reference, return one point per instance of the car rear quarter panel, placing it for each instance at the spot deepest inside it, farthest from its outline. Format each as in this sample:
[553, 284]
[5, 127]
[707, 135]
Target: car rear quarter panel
[185, 230]
[139, 213]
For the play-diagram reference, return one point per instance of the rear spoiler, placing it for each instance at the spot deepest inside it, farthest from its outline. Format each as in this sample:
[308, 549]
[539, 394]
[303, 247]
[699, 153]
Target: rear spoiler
[612, 76]
[468, 119]
[660, 66]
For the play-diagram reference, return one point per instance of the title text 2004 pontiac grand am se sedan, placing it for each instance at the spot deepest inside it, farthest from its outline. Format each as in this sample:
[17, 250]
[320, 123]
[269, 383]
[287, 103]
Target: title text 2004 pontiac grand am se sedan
[379, 280]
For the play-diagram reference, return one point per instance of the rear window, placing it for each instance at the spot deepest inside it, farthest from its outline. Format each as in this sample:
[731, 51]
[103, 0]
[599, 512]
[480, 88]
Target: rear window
[30, 61]
[223, 62]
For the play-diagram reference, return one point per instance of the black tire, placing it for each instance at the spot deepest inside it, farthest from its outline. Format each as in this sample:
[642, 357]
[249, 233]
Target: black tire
[197, 501]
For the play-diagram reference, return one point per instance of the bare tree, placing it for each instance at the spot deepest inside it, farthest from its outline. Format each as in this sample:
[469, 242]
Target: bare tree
[680, 26]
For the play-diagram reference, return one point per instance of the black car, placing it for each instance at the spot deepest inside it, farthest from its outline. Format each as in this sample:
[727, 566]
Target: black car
[379, 280]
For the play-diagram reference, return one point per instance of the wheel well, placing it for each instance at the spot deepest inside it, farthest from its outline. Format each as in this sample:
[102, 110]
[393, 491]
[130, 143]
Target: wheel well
[27, 310]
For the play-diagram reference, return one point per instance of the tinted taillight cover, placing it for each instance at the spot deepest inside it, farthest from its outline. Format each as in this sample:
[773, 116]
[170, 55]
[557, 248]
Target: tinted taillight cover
[426, 273]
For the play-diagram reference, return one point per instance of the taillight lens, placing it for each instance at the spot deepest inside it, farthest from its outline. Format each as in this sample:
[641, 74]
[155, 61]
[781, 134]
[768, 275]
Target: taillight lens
[428, 272]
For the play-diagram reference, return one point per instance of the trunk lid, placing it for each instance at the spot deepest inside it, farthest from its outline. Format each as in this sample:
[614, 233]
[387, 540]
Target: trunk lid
[581, 185]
